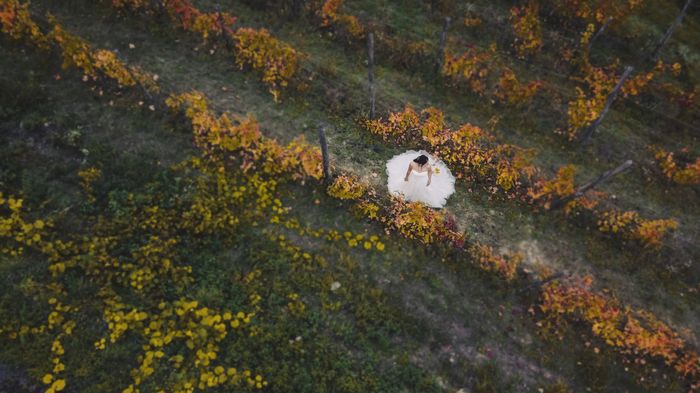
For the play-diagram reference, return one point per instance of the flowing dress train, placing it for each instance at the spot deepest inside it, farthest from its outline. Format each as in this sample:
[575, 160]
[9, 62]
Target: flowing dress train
[435, 195]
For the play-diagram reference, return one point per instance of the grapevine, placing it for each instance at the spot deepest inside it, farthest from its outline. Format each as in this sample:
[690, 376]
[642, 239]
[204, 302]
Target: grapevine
[526, 25]
[275, 60]
[675, 171]
[223, 198]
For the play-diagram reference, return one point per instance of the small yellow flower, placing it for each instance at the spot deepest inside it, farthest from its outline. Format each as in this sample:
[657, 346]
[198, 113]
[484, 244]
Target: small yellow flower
[58, 385]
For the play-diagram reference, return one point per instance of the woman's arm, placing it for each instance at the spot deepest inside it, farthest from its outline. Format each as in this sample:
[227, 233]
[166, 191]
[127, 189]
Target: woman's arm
[430, 175]
[408, 172]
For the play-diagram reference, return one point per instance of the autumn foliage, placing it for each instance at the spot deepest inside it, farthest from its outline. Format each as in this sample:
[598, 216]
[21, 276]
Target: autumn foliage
[414, 220]
[346, 187]
[234, 183]
[478, 70]
[526, 26]
[629, 224]
[475, 155]
[227, 133]
[598, 82]
[634, 333]
[16, 21]
[159, 324]
[275, 60]
[649, 232]
[469, 68]
[469, 149]
[595, 11]
[512, 91]
[676, 171]
[256, 49]
[332, 16]
[549, 191]
[130, 258]
[76, 52]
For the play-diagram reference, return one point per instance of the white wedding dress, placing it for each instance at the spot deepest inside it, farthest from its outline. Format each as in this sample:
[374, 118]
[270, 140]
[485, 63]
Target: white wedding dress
[415, 189]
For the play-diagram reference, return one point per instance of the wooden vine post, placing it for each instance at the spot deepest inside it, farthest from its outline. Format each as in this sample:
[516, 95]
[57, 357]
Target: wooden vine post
[598, 33]
[370, 74]
[590, 185]
[297, 6]
[433, 5]
[669, 32]
[441, 45]
[143, 88]
[227, 39]
[611, 97]
[324, 152]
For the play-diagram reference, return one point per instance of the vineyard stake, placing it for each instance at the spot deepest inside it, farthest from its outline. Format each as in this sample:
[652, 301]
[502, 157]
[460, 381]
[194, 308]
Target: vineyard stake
[598, 33]
[589, 131]
[669, 32]
[324, 152]
[370, 74]
[441, 45]
[590, 185]
[537, 284]
[297, 6]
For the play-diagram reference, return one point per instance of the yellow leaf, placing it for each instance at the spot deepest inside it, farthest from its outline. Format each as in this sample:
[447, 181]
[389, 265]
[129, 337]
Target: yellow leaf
[59, 385]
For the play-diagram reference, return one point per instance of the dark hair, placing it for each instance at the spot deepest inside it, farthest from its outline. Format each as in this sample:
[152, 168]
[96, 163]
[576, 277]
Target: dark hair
[421, 160]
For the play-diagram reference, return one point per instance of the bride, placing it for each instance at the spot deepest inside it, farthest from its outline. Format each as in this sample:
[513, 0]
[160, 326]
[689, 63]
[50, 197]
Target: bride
[418, 177]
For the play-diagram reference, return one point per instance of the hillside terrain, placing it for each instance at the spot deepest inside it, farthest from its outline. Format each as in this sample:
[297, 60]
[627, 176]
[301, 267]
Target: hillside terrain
[168, 223]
